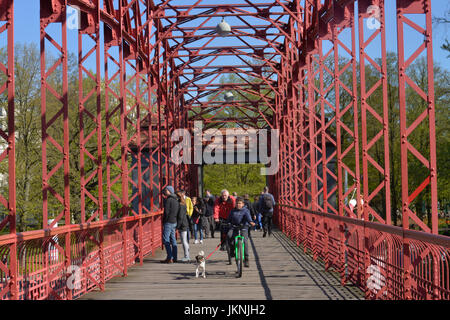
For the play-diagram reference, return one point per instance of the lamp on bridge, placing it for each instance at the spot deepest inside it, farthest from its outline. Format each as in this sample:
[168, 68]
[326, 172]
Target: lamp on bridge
[228, 96]
[223, 28]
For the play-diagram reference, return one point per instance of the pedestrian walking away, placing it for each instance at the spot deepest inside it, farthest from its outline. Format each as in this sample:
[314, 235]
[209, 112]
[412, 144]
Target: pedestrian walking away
[266, 204]
[258, 223]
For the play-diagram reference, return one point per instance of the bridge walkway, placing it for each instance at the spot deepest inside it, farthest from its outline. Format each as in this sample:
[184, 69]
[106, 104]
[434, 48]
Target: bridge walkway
[279, 270]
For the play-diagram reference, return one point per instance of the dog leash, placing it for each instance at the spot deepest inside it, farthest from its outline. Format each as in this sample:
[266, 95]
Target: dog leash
[215, 249]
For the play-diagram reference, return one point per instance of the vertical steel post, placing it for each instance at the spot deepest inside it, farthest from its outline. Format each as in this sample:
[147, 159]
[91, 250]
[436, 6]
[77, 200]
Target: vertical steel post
[366, 107]
[52, 13]
[8, 89]
[123, 138]
[418, 7]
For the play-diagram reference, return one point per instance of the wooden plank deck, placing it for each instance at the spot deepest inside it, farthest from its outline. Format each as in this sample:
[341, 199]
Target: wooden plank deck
[279, 270]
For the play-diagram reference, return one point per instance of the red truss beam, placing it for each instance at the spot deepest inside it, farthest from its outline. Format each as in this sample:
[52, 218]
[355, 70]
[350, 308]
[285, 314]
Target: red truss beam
[383, 118]
[427, 94]
[87, 114]
[56, 191]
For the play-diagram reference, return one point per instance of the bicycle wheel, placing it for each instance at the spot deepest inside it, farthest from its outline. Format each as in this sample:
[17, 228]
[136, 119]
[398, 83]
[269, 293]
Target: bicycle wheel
[239, 257]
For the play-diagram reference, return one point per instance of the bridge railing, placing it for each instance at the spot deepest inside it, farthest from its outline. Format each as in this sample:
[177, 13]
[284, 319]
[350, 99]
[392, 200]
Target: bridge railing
[99, 251]
[387, 262]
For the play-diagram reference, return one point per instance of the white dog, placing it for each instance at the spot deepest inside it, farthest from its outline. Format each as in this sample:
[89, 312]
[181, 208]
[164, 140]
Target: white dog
[201, 264]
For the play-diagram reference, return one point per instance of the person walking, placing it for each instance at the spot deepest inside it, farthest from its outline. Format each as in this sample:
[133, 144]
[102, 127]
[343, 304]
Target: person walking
[210, 226]
[182, 226]
[197, 218]
[189, 211]
[222, 208]
[258, 223]
[266, 204]
[171, 208]
[250, 208]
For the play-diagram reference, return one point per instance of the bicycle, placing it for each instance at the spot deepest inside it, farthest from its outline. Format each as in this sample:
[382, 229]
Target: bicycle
[238, 247]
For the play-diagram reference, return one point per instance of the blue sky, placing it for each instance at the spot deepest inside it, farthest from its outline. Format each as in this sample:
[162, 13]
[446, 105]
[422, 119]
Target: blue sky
[27, 28]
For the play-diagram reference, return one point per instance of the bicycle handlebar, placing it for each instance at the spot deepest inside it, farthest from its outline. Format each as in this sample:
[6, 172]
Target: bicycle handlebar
[234, 226]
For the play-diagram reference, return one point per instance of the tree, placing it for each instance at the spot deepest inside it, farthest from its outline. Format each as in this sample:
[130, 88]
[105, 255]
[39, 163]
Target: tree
[240, 178]
[444, 20]
[28, 134]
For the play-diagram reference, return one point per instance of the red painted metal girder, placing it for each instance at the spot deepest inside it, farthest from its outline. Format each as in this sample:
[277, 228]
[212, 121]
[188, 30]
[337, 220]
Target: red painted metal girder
[424, 8]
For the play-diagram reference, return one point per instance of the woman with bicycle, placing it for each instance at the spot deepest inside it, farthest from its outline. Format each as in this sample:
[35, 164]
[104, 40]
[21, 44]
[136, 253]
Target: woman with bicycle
[240, 215]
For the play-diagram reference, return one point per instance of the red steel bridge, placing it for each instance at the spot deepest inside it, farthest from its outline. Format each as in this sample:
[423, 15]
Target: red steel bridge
[148, 67]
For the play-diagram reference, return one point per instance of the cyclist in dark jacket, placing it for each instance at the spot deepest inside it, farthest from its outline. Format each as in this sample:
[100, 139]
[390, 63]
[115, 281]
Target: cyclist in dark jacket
[237, 216]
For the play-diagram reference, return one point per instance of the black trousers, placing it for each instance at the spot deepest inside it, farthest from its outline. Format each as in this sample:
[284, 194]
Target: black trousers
[267, 223]
[223, 232]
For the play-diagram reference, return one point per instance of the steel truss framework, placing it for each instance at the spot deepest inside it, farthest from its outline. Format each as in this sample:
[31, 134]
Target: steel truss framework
[157, 67]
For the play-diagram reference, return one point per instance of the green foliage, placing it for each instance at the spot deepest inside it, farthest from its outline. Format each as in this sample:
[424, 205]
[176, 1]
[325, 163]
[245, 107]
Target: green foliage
[28, 135]
[242, 178]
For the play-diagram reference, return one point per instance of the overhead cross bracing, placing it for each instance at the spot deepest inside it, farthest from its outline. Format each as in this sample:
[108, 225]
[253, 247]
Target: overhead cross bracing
[250, 52]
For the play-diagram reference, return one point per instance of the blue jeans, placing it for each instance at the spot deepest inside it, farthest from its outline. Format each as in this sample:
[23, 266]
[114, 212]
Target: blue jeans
[198, 227]
[185, 243]
[170, 241]
[258, 223]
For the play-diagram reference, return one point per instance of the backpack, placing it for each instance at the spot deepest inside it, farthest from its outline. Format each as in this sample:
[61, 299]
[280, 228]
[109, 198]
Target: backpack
[267, 202]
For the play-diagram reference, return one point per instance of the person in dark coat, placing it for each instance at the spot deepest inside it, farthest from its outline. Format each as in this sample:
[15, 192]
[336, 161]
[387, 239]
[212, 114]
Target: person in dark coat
[171, 208]
[210, 224]
[183, 226]
[249, 206]
[197, 218]
[257, 221]
[266, 204]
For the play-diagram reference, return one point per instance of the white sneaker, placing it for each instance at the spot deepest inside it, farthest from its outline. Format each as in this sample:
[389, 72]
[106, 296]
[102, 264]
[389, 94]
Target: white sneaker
[196, 241]
[201, 241]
